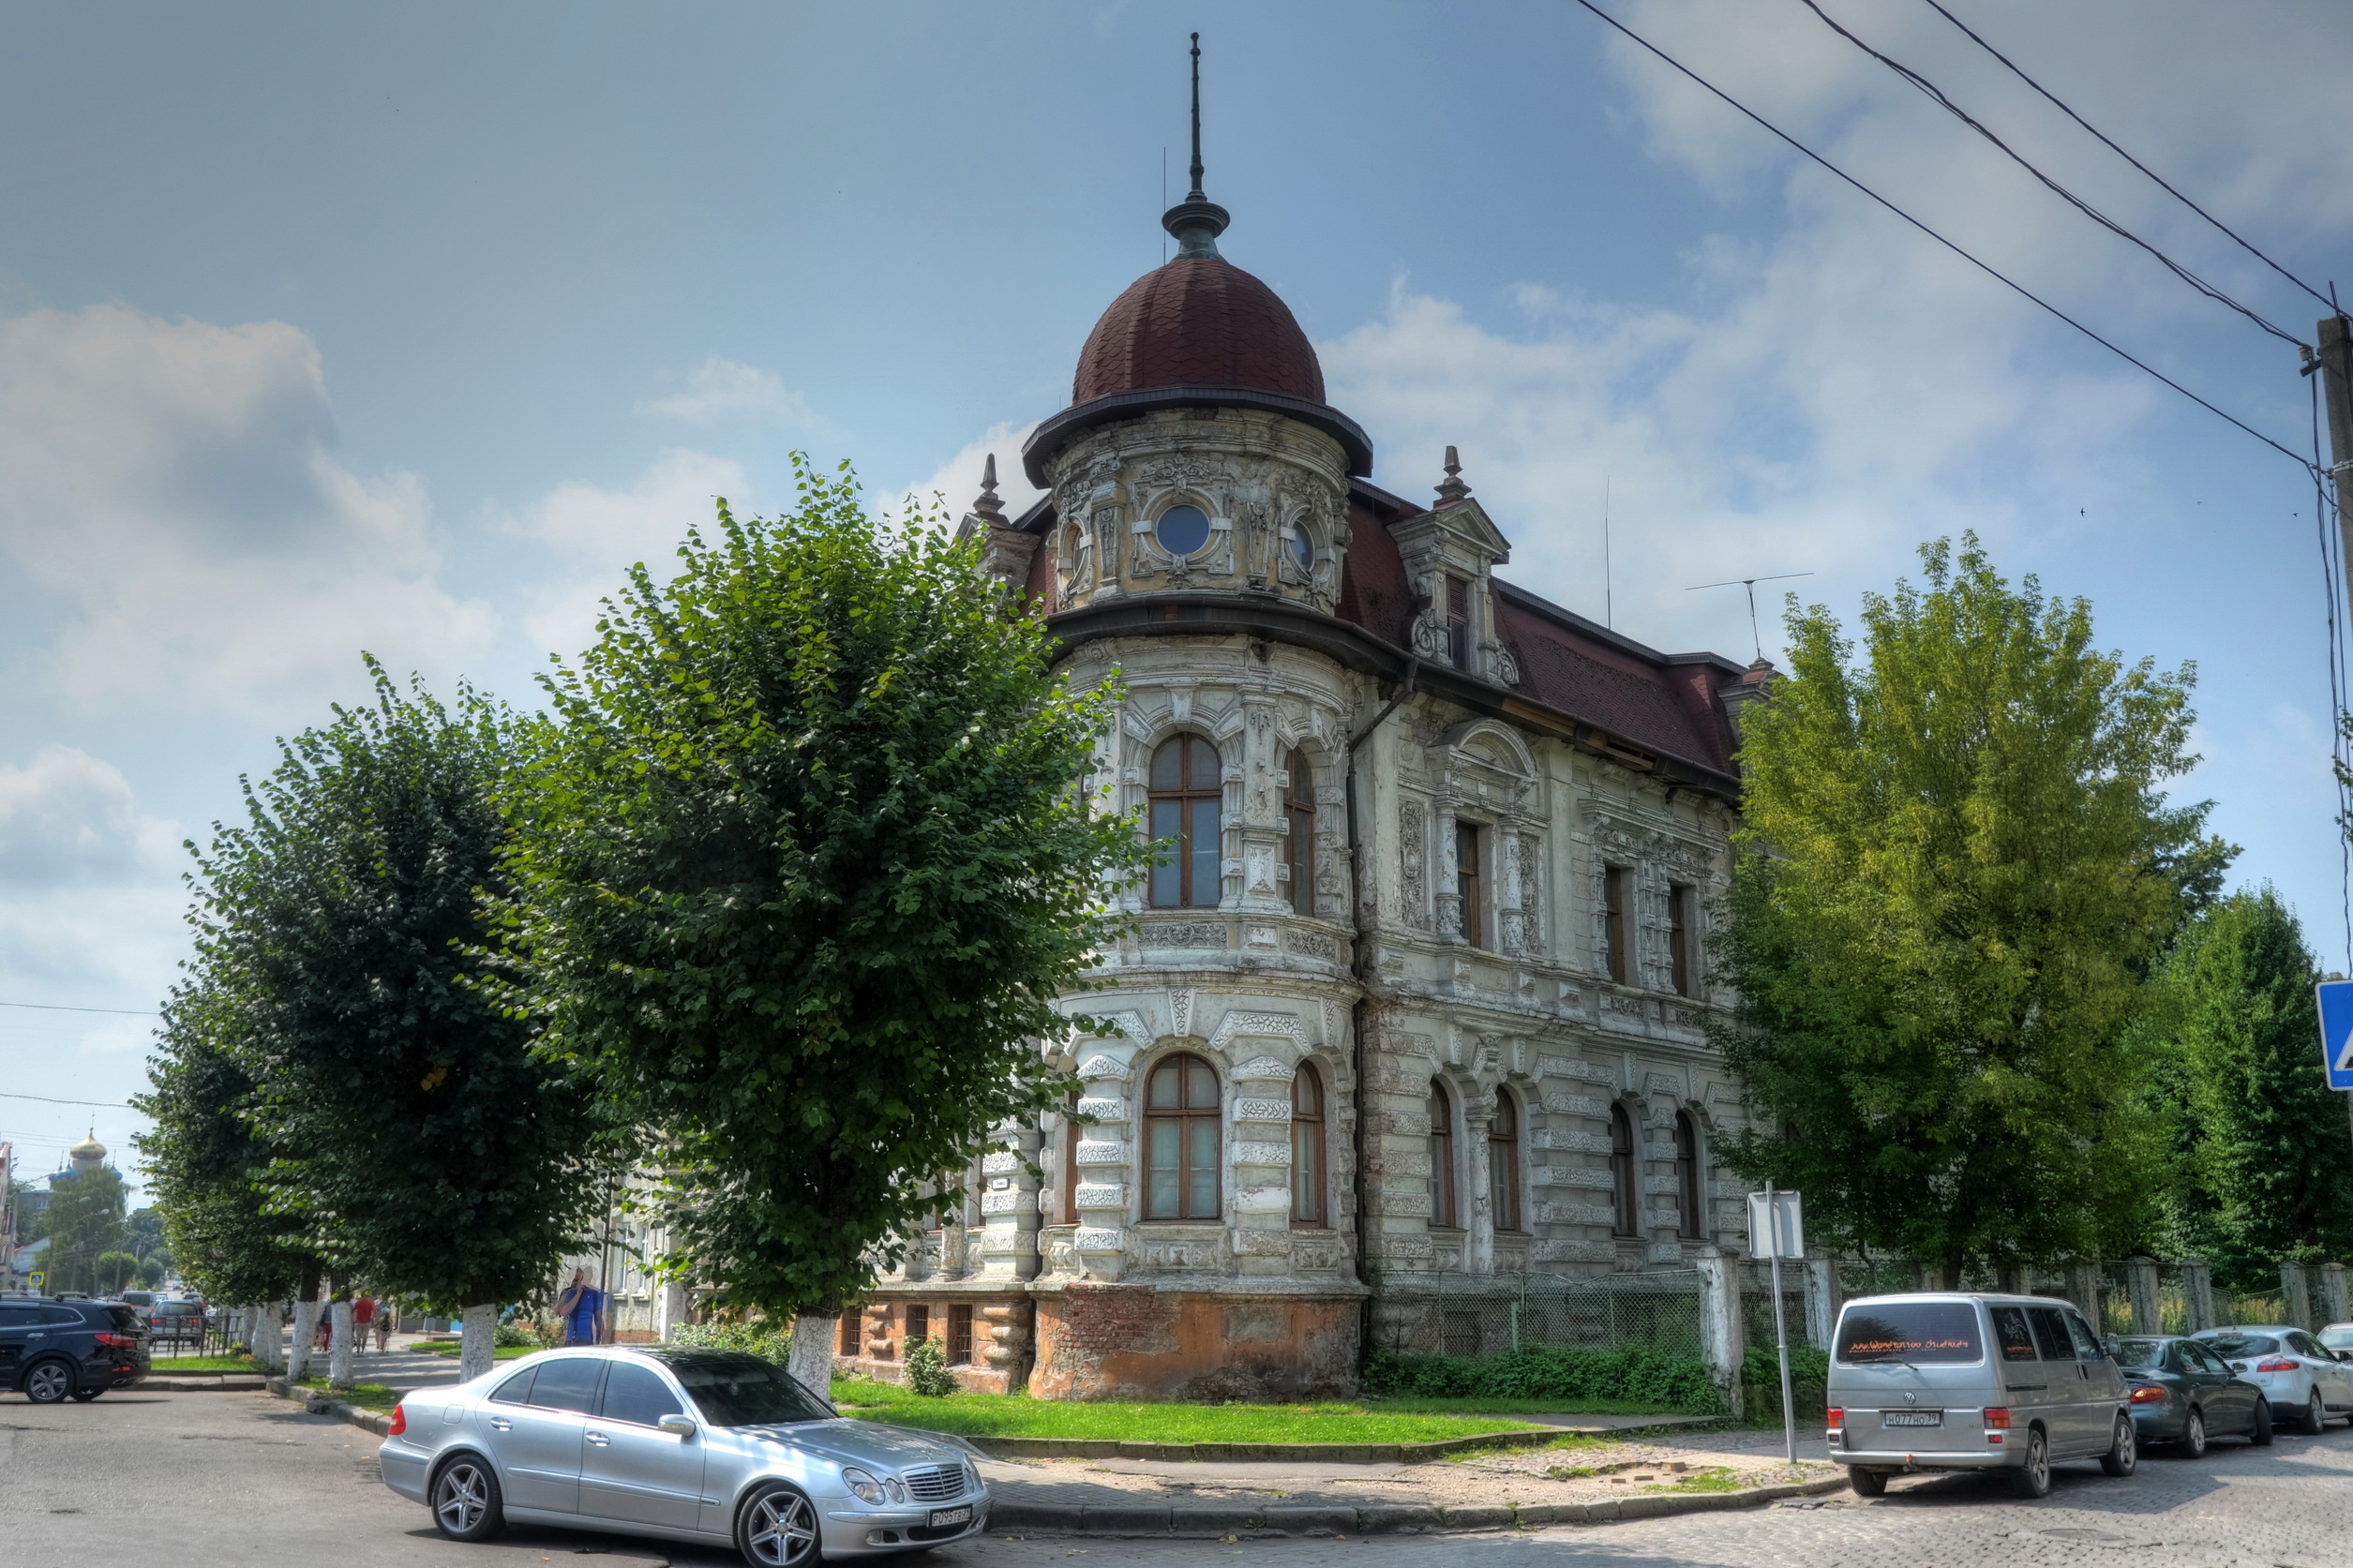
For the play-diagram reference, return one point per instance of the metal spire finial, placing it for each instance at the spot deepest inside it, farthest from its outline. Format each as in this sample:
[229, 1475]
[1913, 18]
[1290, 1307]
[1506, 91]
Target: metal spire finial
[1196, 221]
[989, 509]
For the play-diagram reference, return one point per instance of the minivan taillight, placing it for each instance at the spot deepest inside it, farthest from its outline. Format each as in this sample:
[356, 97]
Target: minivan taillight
[399, 1420]
[1996, 1418]
[1837, 1418]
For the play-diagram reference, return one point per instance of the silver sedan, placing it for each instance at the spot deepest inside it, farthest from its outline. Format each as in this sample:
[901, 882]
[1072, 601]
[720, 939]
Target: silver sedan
[709, 1446]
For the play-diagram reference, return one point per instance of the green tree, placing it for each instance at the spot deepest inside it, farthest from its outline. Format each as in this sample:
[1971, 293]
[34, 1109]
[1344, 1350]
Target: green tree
[2261, 1141]
[412, 1127]
[1957, 868]
[31, 1224]
[805, 863]
[115, 1271]
[85, 1222]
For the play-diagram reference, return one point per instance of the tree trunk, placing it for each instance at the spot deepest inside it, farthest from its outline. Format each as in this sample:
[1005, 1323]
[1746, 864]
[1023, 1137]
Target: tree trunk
[1951, 1271]
[811, 1359]
[478, 1336]
[305, 1330]
[269, 1342]
[339, 1347]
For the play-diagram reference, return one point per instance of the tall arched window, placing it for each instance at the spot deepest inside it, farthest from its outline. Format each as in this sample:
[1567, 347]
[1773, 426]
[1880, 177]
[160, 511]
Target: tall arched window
[1442, 1205]
[1624, 1190]
[1503, 1162]
[1299, 809]
[1693, 1222]
[1187, 792]
[1307, 1147]
[1069, 1160]
[1181, 1141]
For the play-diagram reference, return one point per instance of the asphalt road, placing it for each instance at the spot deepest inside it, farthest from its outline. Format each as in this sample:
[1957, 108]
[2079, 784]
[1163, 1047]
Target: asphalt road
[195, 1479]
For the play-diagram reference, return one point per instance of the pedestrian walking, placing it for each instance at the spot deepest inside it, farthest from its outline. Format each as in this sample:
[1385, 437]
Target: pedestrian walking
[581, 1310]
[384, 1326]
[363, 1320]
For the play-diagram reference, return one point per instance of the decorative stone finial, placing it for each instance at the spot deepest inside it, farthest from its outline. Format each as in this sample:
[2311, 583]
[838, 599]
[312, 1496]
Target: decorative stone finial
[990, 510]
[1196, 221]
[1451, 488]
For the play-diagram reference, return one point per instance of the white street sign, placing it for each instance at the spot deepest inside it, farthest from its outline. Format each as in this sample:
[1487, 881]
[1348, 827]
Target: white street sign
[1785, 1208]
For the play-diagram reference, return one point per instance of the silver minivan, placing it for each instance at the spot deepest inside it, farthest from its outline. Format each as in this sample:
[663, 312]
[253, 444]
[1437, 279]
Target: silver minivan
[1959, 1380]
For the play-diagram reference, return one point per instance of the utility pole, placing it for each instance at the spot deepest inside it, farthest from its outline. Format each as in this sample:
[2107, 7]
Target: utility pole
[2335, 364]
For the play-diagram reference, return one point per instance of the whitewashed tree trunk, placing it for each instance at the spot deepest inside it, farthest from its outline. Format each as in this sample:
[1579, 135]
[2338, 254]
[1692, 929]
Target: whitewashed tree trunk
[811, 1358]
[475, 1340]
[269, 1341]
[305, 1330]
[340, 1348]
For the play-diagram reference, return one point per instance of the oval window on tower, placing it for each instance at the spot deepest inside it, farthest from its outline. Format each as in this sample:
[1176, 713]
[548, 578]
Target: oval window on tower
[1182, 530]
[1302, 549]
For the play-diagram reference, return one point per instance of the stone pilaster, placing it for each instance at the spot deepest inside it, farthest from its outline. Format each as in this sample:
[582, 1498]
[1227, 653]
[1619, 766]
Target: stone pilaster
[2334, 1300]
[2140, 1277]
[1823, 1296]
[1723, 1333]
[1007, 1243]
[1261, 1204]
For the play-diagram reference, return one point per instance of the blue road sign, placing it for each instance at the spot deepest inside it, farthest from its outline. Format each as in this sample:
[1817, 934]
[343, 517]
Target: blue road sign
[2336, 1031]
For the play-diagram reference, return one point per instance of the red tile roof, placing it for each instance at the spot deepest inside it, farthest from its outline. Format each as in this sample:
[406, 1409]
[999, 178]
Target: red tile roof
[1198, 321]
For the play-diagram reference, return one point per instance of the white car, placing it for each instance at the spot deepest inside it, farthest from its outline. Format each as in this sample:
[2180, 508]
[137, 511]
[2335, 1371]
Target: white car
[2303, 1380]
[2337, 1336]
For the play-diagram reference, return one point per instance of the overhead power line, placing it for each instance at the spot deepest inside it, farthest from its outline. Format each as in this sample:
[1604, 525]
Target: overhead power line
[1986, 267]
[1939, 95]
[2166, 185]
[46, 1099]
[51, 1006]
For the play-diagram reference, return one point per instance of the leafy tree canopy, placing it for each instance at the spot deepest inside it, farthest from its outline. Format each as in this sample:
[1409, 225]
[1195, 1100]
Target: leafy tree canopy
[85, 1222]
[803, 862]
[1957, 868]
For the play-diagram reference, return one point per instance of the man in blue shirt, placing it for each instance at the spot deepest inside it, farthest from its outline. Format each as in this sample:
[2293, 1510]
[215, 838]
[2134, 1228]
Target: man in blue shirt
[581, 1309]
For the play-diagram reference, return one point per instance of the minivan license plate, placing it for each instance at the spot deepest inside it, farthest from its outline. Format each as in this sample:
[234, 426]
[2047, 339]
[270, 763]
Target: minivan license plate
[952, 1516]
[1912, 1418]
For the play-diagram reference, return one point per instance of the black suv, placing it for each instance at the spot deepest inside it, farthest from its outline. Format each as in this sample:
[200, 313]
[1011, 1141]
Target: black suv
[51, 1348]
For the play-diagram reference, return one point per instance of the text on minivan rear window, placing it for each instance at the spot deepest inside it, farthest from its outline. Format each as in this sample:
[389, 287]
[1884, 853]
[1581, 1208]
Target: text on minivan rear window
[1912, 1331]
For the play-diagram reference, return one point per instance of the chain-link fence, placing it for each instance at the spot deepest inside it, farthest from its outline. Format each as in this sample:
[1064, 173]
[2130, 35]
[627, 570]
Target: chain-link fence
[1477, 1316]
[2252, 1307]
[1756, 1303]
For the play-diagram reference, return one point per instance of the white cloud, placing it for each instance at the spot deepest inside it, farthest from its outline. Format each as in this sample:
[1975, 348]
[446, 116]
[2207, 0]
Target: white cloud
[598, 534]
[721, 389]
[90, 896]
[956, 483]
[172, 487]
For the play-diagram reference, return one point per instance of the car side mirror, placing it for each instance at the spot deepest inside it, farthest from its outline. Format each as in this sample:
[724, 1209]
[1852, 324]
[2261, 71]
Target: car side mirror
[676, 1424]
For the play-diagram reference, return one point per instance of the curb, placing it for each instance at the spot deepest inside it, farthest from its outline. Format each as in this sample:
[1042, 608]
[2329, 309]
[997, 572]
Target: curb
[1402, 1519]
[1247, 1453]
[377, 1422]
[233, 1382]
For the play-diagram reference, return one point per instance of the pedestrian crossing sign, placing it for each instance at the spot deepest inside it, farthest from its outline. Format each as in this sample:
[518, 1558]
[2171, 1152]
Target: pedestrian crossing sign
[2336, 1031]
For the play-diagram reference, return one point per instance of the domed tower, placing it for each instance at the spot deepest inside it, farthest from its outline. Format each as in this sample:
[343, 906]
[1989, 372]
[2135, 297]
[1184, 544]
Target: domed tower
[89, 1155]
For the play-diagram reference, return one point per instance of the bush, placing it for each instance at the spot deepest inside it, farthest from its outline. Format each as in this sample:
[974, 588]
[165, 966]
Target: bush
[927, 1371]
[764, 1340]
[523, 1333]
[1635, 1374]
[1761, 1380]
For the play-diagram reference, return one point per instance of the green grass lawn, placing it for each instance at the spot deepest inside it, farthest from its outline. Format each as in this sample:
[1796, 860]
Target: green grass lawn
[1015, 1415]
[505, 1352]
[164, 1367]
[1410, 1406]
[368, 1395]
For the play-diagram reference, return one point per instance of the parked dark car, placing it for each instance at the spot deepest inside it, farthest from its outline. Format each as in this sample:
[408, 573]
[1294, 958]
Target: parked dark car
[175, 1321]
[51, 1348]
[2185, 1393]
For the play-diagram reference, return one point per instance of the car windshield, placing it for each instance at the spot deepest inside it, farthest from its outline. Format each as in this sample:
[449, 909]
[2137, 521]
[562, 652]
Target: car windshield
[745, 1391]
[2339, 1337]
[2242, 1344]
[2140, 1355]
[1909, 1330]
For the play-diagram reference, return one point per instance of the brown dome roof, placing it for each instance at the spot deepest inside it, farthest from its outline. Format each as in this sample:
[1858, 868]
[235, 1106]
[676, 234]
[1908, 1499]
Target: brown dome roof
[1197, 320]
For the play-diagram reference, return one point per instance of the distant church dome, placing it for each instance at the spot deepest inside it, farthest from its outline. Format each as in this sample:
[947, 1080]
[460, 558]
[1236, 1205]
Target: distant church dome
[1200, 321]
[89, 1155]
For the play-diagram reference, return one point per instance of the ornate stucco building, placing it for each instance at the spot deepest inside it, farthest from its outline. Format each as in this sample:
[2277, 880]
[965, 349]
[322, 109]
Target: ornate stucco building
[1416, 997]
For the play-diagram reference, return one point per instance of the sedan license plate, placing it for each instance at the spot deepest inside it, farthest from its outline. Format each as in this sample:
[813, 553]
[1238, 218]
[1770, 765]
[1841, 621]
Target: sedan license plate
[1912, 1418]
[952, 1516]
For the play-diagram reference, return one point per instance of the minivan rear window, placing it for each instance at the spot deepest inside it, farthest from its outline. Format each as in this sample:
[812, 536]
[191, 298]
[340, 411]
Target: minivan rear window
[1911, 1331]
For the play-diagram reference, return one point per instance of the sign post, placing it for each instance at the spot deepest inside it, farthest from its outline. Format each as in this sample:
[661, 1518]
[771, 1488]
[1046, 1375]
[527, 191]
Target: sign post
[1776, 1230]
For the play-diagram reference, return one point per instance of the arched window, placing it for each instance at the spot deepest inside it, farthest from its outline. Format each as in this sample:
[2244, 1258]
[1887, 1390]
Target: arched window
[1625, 1191]
[1299, 809]
[1181, 1141]
[1441, 1206]
[1187, 791]
[1503, 1162]
[1693, 1218]
[1307, 1147]
[1069, 1160]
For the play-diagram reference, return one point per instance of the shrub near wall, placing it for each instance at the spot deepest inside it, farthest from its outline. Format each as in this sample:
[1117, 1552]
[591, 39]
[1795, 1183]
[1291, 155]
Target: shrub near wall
[1635, 1374]
[760, 1339]
[1761, 1382]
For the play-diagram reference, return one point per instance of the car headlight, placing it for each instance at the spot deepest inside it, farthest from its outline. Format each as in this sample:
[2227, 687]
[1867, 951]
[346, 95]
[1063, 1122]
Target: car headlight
[865, 1487]
[898, 1489]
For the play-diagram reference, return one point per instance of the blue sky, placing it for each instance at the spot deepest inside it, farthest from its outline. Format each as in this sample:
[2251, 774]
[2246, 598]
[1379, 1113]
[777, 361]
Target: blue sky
[408, 328]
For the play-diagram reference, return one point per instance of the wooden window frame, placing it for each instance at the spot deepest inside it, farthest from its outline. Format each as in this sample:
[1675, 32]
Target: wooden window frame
[1503, 1164]
[1616, 881]
[850, 1333]
[1183, 1117]
[1298, 809]
[1311, 1198]
[1185, 794]
[1470, 886]
[918, 1317]
[1679, 935]
[1071, 1133]
[1459, 622]
[1445, 1212]
[1626, 1185]
[1689, 1184]
[960, 1335]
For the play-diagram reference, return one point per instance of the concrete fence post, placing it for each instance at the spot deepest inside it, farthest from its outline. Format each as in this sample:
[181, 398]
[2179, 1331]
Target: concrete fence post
[1722, 1336]
[1823, 1298]
[2140, 1282]
[2197, 1284]
[2295, 1299]
[2333, 1294]
[2083, 1289]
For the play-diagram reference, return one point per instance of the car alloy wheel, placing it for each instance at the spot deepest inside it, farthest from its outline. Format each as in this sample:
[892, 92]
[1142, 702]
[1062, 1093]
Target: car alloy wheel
[2316, 1413]
[2193, 1436]
[779, 1529]
[465, 1501]
[2033, 1478]
[2123, 1454]
[49, 1382]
